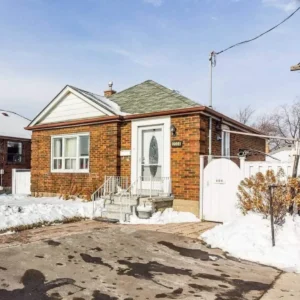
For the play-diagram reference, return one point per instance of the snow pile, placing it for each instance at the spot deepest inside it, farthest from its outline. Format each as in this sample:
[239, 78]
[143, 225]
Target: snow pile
[165, 217]
[22, 210]
[249, 237]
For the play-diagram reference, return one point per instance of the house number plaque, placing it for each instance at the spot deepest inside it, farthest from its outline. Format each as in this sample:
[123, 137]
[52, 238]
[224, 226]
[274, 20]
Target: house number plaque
[176, 144]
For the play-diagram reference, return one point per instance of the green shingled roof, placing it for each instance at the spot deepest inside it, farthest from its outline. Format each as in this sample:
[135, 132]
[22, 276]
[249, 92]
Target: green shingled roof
[150, 96]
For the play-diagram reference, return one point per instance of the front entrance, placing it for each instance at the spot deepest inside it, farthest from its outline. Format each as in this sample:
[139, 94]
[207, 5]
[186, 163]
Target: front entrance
[150, 158]
[150, 163]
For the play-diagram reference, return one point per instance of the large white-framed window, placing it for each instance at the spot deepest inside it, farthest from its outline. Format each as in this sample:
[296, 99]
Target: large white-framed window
[70, 153]
[225, 141]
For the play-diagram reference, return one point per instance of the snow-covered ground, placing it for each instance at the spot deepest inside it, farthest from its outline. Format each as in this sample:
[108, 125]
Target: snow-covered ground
[165, 217]
[23, 210]
[249, 237]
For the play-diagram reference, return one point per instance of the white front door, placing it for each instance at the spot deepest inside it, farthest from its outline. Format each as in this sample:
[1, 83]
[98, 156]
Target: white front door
[150, 159]
[150, 156]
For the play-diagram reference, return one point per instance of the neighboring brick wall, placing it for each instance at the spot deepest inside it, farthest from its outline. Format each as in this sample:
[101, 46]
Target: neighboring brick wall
[26, 152]
[236, 141]
[125, 129]
[104, 158]
[185, 170]
[248, 142]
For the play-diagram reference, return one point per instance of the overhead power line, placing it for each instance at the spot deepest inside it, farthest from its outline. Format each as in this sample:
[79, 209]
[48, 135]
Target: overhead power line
[255, 38]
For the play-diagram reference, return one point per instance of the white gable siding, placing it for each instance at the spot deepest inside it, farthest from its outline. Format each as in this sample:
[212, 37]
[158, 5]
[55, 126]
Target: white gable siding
[69, 108]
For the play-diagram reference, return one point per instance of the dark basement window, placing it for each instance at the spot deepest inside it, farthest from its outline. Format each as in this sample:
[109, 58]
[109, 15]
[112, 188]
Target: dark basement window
[14, 152]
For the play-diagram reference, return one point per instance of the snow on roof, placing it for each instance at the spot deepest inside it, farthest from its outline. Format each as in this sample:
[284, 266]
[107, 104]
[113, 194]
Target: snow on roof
[285, 148]
[12, 125]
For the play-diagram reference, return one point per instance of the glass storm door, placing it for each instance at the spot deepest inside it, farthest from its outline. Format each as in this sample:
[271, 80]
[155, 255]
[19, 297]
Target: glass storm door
[150, 161]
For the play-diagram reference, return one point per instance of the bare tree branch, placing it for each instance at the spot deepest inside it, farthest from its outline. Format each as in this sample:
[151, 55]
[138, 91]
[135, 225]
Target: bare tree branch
[284, 122]
[244, 115]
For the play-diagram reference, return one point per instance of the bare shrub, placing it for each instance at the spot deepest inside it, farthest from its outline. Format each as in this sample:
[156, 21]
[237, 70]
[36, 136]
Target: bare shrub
[254, 194]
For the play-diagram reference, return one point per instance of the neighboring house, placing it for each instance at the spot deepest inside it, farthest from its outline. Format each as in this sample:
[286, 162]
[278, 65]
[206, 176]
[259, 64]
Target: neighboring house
[283, 154]
[148, 134]
[15, 146]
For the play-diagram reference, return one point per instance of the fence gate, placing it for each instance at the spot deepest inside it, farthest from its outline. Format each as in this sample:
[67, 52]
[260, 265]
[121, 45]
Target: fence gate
[21, 181]
[219, 183]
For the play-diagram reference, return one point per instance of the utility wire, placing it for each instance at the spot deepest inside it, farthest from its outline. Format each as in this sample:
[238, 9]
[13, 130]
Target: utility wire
[247, 41]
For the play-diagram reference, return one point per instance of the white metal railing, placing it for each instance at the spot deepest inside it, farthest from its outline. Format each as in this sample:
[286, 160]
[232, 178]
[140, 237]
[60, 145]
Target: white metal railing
[126, 197]
[144, 186]
[113, 185]
[154, 186]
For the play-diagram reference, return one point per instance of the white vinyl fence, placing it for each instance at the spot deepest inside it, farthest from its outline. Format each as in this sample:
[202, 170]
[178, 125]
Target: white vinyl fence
[219, 182]
[21, 181]
[253, 167]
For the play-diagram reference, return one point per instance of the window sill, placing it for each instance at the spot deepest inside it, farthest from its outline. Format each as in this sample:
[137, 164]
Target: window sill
[71, 171]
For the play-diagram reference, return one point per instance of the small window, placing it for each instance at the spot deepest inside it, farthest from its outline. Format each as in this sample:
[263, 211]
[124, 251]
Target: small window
[225, 141]
[14, 152]
[70, 153]
[83, 152]
[57, 153]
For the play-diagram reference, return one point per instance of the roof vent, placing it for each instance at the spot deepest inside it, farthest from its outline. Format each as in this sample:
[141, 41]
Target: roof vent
[110, 91]
[5, 114]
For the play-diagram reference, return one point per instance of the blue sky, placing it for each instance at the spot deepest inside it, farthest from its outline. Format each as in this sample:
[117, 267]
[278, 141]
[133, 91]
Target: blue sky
[48, 44]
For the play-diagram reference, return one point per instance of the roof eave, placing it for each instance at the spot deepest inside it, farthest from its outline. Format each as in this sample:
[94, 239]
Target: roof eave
[191, 110]
[82, 122]
[4, 137]
[176, 112]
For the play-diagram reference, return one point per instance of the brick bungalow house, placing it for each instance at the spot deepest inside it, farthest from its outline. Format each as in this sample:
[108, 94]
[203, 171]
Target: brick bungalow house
[144, 133]
[15, 147]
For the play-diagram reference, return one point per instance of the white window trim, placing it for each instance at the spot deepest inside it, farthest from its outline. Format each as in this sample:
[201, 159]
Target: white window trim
[226, 137]
[63, 170]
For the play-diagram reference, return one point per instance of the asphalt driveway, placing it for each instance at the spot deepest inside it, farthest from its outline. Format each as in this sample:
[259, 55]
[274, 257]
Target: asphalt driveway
[125, 262]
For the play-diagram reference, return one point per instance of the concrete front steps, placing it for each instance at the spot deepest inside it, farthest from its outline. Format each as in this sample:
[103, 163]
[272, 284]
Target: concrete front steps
[117, 208]
[120, 209]
[118, 216]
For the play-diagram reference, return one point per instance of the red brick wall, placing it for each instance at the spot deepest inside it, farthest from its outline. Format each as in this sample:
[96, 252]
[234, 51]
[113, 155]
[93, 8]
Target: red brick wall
[104, 160]
[236, 141]
[107, 140]
[26, 151]
[185, 170]
[185, 162]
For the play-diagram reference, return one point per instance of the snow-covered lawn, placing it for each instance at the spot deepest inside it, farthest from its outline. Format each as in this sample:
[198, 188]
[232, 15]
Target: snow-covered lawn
[165, 217]
[22, 210]
[249, 237]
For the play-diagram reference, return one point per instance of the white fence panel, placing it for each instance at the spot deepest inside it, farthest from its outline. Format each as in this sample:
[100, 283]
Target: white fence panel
[253, 167]
[21, 181]
[221, 178]
[219, 185]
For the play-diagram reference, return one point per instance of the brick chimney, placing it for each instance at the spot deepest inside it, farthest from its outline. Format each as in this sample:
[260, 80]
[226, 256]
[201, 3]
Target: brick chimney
[110, 91]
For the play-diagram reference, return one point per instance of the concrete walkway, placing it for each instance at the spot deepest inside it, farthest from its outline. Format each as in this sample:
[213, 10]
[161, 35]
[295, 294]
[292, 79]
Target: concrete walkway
[192, 230]
[286, 287]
